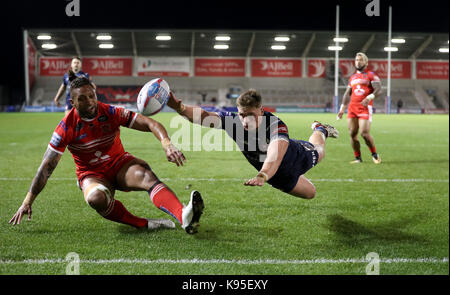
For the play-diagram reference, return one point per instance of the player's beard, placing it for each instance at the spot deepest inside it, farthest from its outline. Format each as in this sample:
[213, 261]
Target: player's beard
[361, 68]
[89, 114]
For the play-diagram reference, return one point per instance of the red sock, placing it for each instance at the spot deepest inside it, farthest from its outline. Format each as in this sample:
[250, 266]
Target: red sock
[118, 213]
[357, 154]
[165, 200]
[372, 149]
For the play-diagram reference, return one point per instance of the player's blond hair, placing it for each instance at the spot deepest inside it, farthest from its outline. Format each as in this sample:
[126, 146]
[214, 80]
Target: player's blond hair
[249, 99]
[364, 56]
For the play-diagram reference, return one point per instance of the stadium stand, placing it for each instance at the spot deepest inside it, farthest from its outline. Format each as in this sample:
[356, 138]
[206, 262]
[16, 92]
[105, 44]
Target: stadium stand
[415, 94]
[313, 87]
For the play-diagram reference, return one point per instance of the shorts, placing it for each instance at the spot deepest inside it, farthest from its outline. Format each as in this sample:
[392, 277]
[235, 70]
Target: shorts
[359, 111]
[299, 158]
[107, 171]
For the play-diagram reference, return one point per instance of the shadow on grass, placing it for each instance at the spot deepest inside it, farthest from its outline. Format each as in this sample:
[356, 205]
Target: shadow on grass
[239, 233]
[129, 230]
[352, 233]
[209, 233]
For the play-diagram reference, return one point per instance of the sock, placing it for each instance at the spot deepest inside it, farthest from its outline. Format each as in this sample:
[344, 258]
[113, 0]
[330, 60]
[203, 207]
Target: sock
[357, 154]
[322, 129]
[373, 150]
[118, 213]
[165, 200]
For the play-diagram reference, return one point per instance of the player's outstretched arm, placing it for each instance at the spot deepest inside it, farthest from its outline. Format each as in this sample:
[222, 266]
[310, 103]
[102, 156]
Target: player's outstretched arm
[146, 124]
[60, 92]
[275, 153]
[345, 100]
[48, 165]
[194, 114]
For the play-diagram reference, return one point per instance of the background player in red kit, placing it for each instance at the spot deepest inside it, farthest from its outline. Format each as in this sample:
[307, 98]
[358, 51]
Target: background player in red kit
[91, 133]
[363, 87]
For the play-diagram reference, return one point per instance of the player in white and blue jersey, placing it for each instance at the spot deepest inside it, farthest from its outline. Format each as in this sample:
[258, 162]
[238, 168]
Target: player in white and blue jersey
[264, 140]
[75, 67]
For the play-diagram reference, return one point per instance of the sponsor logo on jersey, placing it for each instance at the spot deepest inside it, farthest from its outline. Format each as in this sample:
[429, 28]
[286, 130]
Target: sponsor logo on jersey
[99, 158]
[359, 91]
[56, 139]
[360, 82]
[81, 136]
[307, 146]
[63, 126]
[102, 118]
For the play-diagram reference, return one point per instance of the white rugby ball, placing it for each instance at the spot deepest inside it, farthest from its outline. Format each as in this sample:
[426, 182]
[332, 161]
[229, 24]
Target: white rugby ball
[153, 97]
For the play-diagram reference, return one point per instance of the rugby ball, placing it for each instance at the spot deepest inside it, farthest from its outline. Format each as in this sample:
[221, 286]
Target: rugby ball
[153, 97]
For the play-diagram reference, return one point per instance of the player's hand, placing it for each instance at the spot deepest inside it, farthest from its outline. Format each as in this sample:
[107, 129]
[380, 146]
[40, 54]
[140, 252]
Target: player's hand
[255, 181]
[365, 102]
[24, 209]
[57, 103]
[174, 155]
[339, 115]
[173, 102]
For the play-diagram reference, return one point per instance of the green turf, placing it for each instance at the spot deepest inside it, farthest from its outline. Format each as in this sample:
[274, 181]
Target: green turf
[405, 217]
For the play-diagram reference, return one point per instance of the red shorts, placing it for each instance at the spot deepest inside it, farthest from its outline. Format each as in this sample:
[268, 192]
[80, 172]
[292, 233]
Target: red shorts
[107, 171]
[359, 111]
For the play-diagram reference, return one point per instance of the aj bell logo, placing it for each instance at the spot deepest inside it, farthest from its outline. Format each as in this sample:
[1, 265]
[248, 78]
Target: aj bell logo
[373, 8]
[73, 8]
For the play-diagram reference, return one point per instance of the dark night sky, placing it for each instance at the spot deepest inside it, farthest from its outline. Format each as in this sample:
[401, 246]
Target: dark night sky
[408, 16]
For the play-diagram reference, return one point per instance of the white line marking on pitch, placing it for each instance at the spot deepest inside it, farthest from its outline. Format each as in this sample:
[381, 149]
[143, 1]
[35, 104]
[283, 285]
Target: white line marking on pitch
[226, 261]
[244, 179]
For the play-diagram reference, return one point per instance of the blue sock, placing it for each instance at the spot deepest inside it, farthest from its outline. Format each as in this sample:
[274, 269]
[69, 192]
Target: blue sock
[322, 129]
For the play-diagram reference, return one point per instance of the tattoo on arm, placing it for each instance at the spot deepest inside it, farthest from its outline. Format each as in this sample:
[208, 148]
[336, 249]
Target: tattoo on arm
[376, 88]
[48, 165]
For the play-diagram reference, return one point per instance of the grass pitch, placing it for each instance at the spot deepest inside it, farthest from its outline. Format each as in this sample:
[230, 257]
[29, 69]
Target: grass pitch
[399, 209]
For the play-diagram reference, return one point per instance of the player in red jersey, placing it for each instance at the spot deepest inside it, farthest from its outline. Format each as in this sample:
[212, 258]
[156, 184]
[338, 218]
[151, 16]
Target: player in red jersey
[91, 133]
[363, 87]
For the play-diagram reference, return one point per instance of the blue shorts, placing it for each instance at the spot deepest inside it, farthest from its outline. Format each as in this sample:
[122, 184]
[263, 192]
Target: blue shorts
[299, 158]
